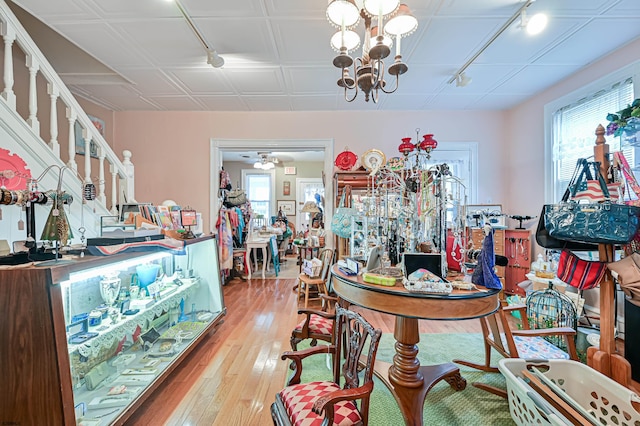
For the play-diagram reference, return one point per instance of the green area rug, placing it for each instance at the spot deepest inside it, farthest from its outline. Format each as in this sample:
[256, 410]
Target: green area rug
[443, 405]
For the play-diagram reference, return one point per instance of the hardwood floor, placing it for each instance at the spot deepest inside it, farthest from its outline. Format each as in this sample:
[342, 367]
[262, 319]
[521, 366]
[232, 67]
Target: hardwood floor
[231, 378]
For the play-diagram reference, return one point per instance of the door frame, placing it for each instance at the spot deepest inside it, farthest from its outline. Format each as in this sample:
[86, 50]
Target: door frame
[299, 183]
[219, 145]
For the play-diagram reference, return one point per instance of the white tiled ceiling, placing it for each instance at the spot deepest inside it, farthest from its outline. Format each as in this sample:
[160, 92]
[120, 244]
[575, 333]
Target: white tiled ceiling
[278, 56]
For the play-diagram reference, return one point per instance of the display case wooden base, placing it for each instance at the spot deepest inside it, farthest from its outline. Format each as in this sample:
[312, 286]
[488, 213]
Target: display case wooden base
[60, 370]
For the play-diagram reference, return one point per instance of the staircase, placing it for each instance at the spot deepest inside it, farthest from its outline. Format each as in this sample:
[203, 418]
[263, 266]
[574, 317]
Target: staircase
[42, 123]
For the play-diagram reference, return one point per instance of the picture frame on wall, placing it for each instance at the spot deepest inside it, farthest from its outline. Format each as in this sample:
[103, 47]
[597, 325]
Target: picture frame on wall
[100, 125]
[286, 187]
[288, 207]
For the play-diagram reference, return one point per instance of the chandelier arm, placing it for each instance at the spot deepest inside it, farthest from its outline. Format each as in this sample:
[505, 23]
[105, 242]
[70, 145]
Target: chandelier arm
[376, 78]
[388, 92]
[346, 85]
[355, 94]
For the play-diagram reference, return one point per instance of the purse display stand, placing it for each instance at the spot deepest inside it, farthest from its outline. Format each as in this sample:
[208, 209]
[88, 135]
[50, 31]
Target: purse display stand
[605, 359]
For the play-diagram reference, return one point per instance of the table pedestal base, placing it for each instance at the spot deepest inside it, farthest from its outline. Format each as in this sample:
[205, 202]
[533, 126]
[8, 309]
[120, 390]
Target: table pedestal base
[411, 400]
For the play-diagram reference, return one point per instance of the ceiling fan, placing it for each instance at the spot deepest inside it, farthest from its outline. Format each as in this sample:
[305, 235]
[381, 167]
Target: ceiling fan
[266, 162]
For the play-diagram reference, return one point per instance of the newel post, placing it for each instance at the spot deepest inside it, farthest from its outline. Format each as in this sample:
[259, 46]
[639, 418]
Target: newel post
[129, 189]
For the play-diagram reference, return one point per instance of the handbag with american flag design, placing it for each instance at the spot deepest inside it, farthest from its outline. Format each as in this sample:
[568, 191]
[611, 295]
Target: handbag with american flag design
[593, 187]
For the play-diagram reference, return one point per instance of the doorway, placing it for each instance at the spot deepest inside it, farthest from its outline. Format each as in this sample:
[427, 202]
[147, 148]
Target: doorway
[219, 146]
[307, 188]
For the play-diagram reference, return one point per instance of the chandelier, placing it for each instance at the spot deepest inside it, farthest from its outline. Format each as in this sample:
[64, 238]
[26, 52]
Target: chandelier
[369, 70]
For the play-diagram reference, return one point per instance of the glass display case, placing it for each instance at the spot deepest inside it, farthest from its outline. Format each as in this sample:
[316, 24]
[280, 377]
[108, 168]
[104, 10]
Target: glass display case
[119, 325]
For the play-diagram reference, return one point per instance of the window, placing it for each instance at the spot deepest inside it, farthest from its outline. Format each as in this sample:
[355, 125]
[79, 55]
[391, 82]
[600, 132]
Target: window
[573, 126]
[259, 188]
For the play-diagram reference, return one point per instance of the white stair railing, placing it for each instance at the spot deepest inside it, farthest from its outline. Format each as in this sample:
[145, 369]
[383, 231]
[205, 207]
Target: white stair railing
[37, 66]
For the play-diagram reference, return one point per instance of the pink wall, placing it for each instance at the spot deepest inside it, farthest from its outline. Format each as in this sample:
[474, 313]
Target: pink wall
[171, 150]
[525, 131]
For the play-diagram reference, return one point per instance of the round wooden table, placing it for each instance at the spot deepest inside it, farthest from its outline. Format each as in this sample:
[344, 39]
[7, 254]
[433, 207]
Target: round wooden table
[406, 379]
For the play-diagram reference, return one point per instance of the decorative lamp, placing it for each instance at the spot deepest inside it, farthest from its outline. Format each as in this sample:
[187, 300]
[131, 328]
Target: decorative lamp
[428, 144]
[310, 207]
[406, 147]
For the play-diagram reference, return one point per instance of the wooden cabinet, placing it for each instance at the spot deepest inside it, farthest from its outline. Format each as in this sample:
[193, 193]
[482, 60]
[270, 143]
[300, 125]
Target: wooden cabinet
[518, 251]
[358, 182]
[56, 353]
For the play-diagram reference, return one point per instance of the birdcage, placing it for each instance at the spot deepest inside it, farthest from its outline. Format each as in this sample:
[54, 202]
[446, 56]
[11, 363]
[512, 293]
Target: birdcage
[548, 308]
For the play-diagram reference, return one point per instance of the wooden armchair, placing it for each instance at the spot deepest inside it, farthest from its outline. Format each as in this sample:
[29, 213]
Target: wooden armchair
[525, 343]
[316, 325]
[312, 403]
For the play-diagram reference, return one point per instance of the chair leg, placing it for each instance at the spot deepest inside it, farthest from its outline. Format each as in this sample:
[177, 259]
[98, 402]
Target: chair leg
[482, 367]
[491, 389]
[300, 285]
[294, 342]
[306, 295]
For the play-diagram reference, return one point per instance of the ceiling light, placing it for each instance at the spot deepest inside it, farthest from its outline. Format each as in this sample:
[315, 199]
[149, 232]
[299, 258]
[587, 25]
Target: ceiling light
[265, 163]
[214, 59]
[369, 69]
[537, 23]
[520, 13]
[462, 80]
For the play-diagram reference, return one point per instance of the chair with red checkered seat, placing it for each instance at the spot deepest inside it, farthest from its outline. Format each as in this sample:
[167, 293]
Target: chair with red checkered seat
[316, 325]
[315, 402]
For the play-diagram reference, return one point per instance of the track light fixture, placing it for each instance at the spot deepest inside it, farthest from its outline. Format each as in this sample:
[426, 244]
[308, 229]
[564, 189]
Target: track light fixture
[537, 22]
[213, 58]
[462, 79]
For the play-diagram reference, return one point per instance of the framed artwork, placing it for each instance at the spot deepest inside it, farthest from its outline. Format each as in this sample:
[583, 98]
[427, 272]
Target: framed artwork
[289, 170]
[286, 187]
[100, 125]
[288, 207]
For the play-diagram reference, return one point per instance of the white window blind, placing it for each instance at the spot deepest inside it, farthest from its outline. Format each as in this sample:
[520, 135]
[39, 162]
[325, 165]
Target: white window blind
[574, 126]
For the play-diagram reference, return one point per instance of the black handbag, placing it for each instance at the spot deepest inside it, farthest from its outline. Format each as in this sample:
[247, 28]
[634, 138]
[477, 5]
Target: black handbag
[597, 223]
[547, 241]
[601, 223]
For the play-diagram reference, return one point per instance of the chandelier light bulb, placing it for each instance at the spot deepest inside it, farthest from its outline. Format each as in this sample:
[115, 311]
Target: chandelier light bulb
[343, 13]
[402, 24]
[381, 7]
[350, 40]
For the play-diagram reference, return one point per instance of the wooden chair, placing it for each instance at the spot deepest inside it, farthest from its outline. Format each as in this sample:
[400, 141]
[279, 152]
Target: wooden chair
[306, 283]
[312, 403]
[316, 325]
[526, 343]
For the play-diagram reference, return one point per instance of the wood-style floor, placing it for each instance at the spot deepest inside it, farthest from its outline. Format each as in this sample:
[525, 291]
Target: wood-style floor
[231, 378]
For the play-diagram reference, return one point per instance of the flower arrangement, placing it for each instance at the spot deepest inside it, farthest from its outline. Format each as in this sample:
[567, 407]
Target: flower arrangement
[626, 120]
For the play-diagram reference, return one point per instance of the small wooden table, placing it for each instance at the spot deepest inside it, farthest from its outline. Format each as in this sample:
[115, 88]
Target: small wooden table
[406, 379]
[257, 243]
